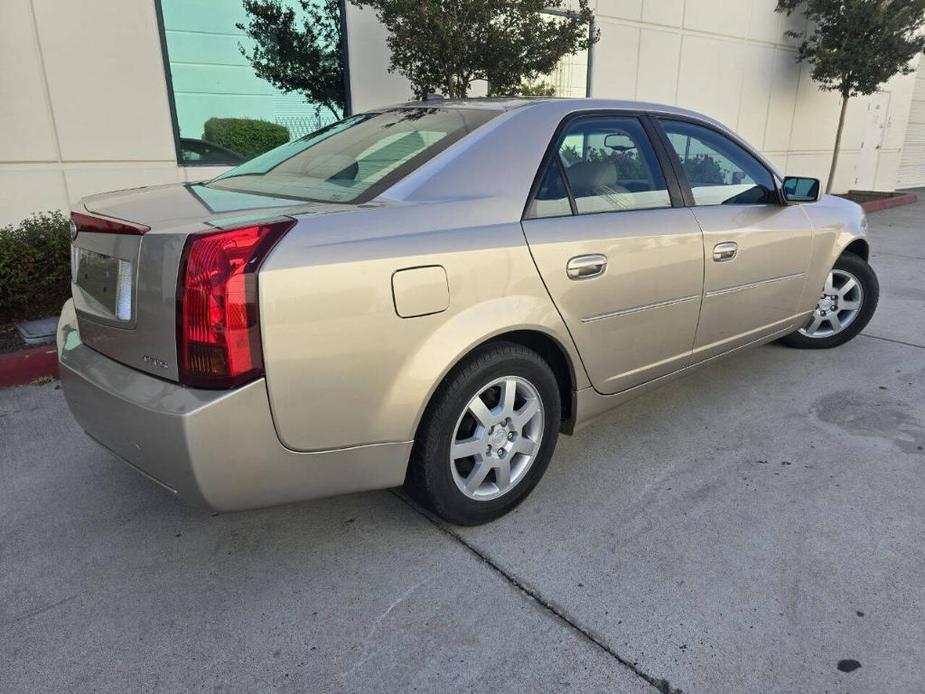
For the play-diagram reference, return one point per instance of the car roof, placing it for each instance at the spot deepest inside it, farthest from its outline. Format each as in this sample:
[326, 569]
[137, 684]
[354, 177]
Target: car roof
[549, 111]
[569, 105]
[509, 103]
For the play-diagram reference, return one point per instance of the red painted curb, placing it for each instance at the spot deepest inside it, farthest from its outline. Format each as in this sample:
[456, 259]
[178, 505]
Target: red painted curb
[887, 203]
[20, 368]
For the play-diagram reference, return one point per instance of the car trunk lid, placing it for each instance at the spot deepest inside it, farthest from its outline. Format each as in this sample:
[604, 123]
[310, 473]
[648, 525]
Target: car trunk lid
[126, 256]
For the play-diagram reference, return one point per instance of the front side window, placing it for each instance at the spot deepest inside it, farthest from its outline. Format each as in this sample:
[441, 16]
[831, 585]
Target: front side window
[610, 166]
[719, 171]
[355, 159]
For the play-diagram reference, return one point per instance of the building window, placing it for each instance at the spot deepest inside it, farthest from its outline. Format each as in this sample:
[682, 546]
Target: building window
[223, 112]
[570, 78]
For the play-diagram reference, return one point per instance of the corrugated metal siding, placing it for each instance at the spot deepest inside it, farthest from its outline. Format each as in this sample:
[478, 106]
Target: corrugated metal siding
[912, 166]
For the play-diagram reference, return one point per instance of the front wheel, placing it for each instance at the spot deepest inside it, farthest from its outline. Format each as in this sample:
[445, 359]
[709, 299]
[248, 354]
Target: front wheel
[848, 301]
[487, 435]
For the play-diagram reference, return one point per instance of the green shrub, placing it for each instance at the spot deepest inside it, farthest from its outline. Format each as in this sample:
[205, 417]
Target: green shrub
[704, 170]
[35, 266]
[246, 136]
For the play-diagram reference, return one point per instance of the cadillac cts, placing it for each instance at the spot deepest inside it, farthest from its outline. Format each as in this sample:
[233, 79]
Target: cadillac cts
[430, 293]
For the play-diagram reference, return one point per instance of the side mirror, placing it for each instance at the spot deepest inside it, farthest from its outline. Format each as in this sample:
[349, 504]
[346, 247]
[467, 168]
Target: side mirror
[799, 189]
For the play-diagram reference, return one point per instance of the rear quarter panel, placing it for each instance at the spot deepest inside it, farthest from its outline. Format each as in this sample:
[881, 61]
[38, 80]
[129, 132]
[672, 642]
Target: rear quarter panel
[343, 368]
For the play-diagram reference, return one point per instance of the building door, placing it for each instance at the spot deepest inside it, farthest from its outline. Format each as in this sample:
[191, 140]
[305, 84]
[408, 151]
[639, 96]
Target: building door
[865, 177]
[912, 164]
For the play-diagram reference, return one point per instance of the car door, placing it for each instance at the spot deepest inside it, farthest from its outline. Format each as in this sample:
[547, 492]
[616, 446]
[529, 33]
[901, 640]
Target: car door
[756, 249]
[620, 255]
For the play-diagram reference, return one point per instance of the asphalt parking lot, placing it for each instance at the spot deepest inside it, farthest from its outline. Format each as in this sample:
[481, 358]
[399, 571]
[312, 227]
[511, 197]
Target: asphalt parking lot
[744, 529]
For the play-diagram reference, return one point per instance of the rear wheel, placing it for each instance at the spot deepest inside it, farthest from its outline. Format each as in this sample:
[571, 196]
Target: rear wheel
[487, 435]
[848, 301]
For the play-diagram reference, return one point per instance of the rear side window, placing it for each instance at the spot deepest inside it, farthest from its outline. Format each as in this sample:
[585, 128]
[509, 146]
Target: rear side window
[719, 171]
[609, 165]
[551, 199]
[355, 159]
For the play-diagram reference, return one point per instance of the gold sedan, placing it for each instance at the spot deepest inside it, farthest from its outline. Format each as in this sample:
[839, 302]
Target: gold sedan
[429, 294]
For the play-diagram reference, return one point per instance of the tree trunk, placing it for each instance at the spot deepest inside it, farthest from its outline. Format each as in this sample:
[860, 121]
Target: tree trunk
[841, 126]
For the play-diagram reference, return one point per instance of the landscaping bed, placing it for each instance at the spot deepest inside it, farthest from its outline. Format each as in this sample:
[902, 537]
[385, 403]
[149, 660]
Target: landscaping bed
[872, 200]
[10, 341]
[34, 283]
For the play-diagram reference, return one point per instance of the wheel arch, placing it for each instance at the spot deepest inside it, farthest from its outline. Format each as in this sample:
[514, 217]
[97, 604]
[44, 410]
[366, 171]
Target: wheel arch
[555, 355]
[553, 352]
[858, 247]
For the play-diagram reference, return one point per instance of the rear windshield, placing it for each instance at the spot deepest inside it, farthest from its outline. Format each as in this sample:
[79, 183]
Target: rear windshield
[355, 159]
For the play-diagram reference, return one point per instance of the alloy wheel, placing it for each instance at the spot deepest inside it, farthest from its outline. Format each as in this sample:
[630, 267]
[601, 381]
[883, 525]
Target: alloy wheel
[497, 438]
[838, 306]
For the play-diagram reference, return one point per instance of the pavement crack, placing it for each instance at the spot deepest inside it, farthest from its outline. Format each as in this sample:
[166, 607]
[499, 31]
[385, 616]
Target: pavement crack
[378, 622]
[392, 605]
[40, 610]
[661, 685]
[896, 342]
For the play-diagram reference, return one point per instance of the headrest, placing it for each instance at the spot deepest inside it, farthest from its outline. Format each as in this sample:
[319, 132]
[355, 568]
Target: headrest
[589, 177]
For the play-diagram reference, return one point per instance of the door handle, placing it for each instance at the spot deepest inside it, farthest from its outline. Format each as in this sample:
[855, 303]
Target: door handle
[725, 251]
[584, 267]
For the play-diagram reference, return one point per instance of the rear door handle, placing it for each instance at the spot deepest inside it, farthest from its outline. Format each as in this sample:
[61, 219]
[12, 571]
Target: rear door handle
[584, 267]
[725, 251]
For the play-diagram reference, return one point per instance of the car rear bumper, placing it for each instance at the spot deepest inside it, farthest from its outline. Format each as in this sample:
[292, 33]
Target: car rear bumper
[217, 449]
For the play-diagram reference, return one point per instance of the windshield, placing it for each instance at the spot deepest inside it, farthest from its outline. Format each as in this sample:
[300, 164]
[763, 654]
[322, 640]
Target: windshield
[355, 159]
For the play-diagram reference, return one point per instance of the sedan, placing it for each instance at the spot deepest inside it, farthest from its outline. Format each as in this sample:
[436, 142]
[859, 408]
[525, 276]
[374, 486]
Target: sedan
[429, 294]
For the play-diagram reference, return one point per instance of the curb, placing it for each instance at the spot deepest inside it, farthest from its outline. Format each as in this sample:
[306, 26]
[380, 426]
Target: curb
[23, 367]
[887, 203]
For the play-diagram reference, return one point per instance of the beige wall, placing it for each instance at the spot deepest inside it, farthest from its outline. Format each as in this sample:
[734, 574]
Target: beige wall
[83, 98]
[731, 60]
[371, 84]
[83, 103]
[912, 166]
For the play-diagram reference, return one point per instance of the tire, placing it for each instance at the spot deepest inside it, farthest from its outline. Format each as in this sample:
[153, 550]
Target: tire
[439, 482]
[825, 336]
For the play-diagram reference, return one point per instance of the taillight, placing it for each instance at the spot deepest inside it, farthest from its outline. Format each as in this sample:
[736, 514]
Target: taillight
[218, 331]
[85, 222]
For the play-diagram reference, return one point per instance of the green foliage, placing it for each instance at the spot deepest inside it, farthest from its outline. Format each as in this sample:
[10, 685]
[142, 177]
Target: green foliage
[443, 46]
[298, 54]
[246, 136]
[35, 269]
[535, 89]
[856, 45]
[629, 166]
[702, 169]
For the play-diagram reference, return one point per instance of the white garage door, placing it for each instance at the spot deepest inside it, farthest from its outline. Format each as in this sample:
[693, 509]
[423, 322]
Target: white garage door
[912, 166]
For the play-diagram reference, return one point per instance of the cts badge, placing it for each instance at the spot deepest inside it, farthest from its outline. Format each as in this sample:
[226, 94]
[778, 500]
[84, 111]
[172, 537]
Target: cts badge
[154, 361]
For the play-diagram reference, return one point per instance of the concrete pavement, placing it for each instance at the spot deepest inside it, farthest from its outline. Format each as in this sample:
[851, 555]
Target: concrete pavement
[746, 528]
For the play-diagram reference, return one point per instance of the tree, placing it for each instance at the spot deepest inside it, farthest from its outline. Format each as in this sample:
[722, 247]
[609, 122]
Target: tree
[542, 88]
[856, 45]
[445, 45]
[298, 55]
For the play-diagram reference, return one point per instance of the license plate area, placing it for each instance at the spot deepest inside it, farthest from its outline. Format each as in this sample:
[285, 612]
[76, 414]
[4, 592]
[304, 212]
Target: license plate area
[102, 284]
